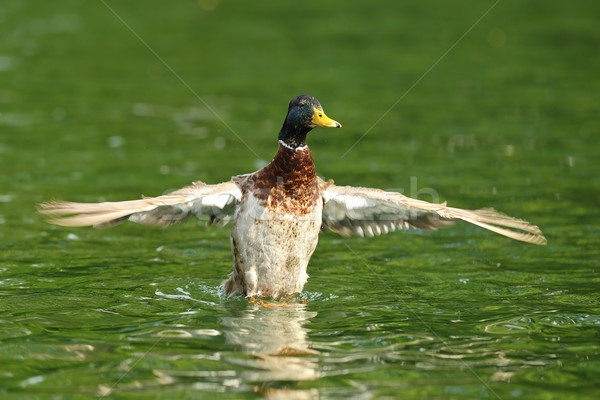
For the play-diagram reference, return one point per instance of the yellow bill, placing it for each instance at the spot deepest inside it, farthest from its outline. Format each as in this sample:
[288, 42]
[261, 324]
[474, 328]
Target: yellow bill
[320, 119]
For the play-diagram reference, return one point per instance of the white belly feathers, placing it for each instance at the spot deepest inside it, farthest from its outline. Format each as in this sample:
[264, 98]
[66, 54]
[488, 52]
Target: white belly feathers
[272, 250]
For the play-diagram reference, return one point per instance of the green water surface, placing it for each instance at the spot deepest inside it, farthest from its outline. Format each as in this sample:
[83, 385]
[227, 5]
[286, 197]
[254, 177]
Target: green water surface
[478, 103]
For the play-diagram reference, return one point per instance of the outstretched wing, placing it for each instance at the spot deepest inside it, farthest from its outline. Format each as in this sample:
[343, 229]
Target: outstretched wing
[367, 212]
[217, 202]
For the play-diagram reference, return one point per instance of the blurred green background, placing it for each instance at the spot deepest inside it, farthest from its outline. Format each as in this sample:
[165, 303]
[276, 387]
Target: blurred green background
[480, 103]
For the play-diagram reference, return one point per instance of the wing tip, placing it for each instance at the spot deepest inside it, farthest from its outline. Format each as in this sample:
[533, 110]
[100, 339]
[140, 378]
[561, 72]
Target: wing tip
[50, 207]
[538, 239]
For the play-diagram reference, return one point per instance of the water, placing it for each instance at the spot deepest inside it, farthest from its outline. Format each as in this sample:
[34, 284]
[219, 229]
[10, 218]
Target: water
[506, 117]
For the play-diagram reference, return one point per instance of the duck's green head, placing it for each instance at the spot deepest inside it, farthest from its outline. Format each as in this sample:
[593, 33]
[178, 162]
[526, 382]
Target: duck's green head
[304, 114]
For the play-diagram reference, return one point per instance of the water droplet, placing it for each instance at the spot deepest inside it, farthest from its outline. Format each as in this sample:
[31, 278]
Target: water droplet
[72, 236]
[34, 380]
[115, 141]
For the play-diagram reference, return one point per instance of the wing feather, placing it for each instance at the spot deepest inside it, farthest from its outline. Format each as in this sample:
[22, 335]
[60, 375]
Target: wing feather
[368, 212]
[216, 202]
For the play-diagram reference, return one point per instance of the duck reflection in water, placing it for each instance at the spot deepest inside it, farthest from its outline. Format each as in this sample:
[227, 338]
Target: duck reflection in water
[277, 340]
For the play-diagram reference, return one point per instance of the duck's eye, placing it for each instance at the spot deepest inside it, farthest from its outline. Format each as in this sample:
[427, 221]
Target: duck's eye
[320, 115]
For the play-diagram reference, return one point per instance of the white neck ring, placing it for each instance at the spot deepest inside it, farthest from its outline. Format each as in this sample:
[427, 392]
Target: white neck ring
[287, 146]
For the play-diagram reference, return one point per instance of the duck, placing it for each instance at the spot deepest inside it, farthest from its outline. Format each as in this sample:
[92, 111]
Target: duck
[279, 211]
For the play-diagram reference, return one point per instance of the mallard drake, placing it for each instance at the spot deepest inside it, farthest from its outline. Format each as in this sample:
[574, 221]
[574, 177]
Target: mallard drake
[279, 211]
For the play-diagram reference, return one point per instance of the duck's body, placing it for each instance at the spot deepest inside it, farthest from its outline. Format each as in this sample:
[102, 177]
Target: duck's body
[279, 210]
[276, 226]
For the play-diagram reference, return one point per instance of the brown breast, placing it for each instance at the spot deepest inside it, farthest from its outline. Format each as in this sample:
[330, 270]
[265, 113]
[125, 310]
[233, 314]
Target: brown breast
[288, 184]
